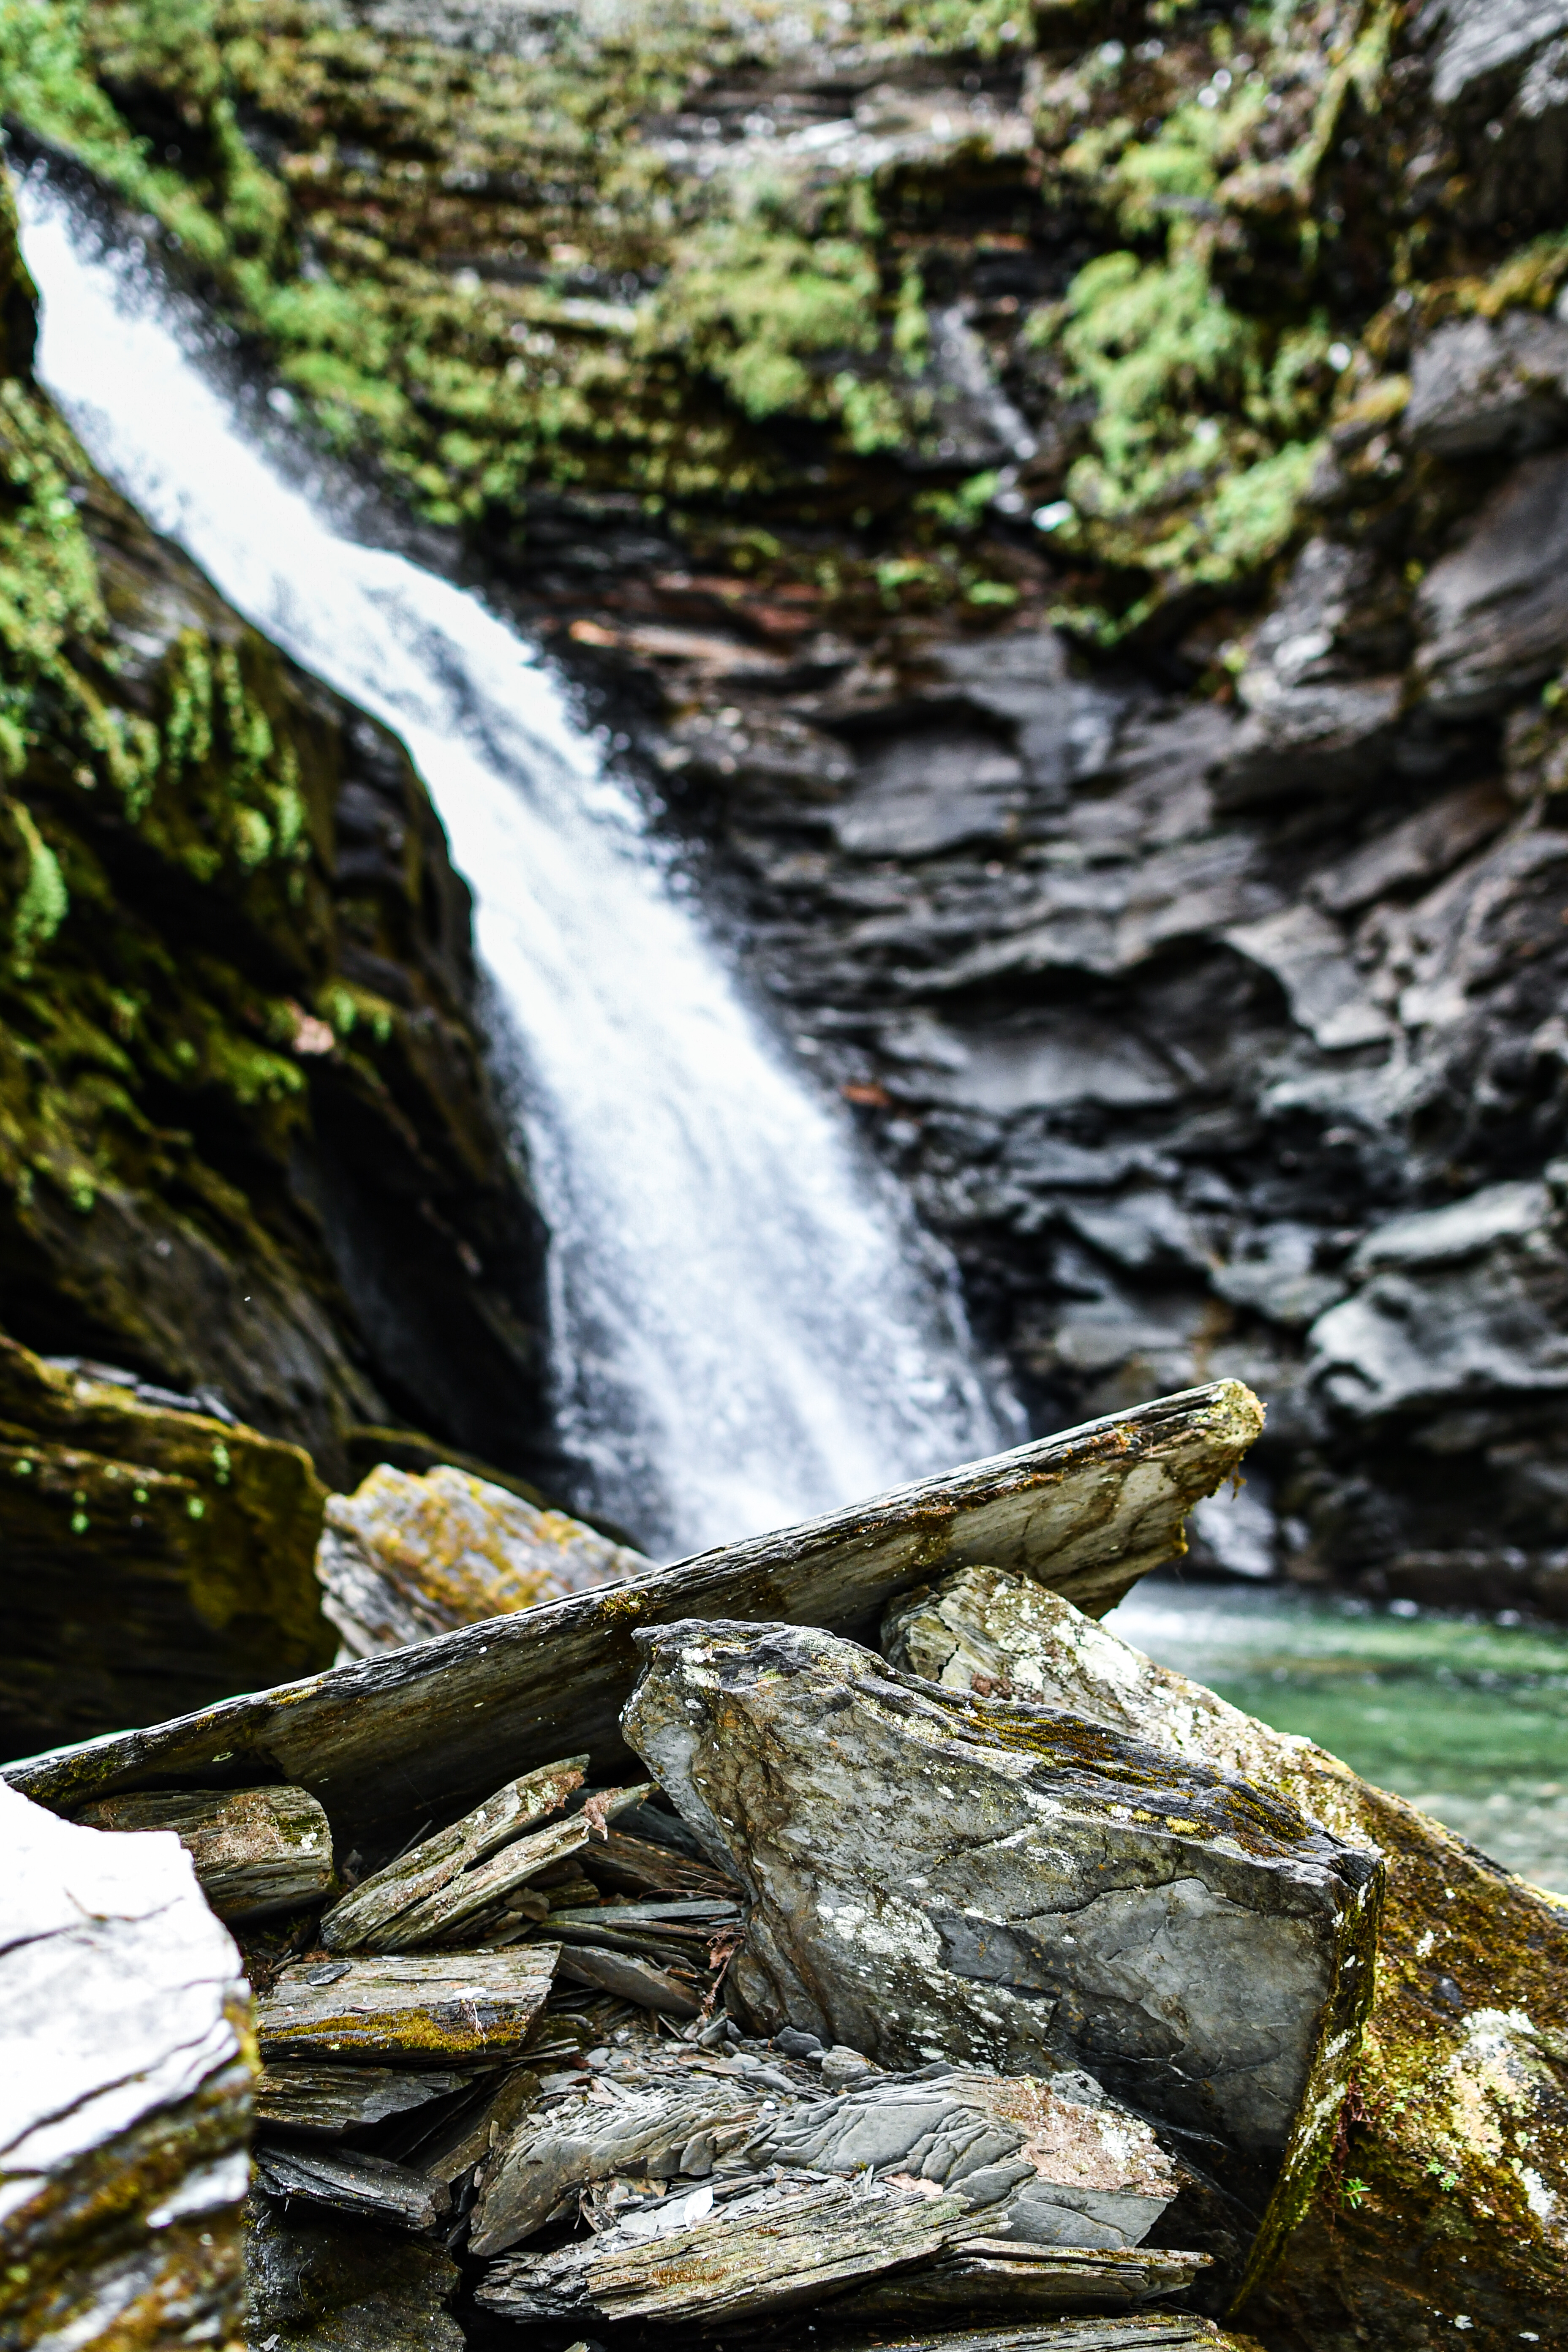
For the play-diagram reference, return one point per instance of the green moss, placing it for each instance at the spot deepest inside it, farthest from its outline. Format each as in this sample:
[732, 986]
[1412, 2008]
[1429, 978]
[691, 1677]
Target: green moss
[43, 902]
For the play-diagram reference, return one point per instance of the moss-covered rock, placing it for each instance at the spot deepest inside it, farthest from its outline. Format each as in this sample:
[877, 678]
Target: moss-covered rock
[155, 1558]
[247, 1138]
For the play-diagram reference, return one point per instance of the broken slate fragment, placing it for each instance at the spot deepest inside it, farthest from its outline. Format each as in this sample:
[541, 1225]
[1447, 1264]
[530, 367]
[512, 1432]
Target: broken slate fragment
[429, 2009]
[997, 2276]
[1073, 2174]
[772, 2252]
[490, 1904]
[370, 1913]
[331, 2099]
[645, 2135]
[1155, 2331]
[630, 1979]
[254, 1850]
[349, 2180]
[937, 1876]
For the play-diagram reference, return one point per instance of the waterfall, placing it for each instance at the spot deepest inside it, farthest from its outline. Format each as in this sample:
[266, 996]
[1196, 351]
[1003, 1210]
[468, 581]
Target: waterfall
[748, 1325]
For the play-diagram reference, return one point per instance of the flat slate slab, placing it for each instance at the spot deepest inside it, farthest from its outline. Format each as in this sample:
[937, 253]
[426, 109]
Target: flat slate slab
[1088, 1511]
[432, 2008]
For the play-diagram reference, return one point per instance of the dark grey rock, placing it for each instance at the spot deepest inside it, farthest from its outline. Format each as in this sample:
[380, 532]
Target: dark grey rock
[319, 2284]
[1480, 386]
[1462, 1303]
[1313, 714]
[1493, 614]
[946, 789]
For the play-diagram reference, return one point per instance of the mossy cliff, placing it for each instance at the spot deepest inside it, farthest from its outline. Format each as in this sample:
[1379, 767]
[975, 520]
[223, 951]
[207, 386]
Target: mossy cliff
[1070, 501]
[816, 289]
[246, 1143]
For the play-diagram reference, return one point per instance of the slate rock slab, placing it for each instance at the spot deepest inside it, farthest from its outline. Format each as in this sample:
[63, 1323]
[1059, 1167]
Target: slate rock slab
[333, 2098]
[938, 1876]
[429, 2008]
[774, 2251]
[1459, 2137]
[439, 1725]
[254, 1850]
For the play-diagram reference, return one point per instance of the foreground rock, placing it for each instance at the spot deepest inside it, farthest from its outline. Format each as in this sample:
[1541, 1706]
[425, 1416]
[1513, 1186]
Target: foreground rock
[1060, 1966]
[158, 1556]
[255, 1852]
[440, 1726]
[125, 2111]
[935, 1877]
[859, 2253]
[1445, 2197]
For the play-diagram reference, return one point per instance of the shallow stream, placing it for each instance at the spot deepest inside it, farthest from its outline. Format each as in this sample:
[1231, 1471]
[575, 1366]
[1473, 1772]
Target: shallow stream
[1466, 1716]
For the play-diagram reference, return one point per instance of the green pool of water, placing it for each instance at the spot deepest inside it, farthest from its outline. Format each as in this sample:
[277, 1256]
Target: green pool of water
[1467, 1717]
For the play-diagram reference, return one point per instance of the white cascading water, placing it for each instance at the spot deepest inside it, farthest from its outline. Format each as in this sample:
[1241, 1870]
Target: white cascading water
[748, 1326]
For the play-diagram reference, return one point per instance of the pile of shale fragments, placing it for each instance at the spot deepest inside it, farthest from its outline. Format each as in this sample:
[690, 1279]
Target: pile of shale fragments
[897, 1959]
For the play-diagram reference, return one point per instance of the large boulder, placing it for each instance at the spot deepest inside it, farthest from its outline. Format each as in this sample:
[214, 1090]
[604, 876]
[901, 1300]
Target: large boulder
[1443, 2205]
[975, 1879]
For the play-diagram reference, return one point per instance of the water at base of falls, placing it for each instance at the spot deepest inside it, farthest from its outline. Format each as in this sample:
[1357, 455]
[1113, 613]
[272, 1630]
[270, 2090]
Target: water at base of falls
[748, 1326]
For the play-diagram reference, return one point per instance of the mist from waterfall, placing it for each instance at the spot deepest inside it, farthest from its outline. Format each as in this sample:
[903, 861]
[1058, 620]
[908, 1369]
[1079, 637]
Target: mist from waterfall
[748, 1324]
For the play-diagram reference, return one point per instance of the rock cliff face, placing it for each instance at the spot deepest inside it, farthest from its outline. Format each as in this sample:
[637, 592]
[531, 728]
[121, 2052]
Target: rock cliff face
[1070, 506]
[247, 1149]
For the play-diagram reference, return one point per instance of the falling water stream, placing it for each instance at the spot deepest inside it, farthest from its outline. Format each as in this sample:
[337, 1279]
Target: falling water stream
[748, 1325]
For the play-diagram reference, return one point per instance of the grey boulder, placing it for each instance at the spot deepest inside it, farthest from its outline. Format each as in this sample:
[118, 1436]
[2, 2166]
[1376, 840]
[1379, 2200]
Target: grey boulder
[934, 1876]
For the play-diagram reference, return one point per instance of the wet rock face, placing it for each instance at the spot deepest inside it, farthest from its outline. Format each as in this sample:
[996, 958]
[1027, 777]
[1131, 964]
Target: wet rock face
[934, 1876]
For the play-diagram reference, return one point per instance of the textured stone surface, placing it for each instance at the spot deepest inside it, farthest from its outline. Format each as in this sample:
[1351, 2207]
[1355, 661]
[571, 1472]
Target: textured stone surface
[403, 1558]
[1456, 2135]
[427, 2009]
[979, 1881]
[793, 2247]
[335, 2098]
[127, 2061]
